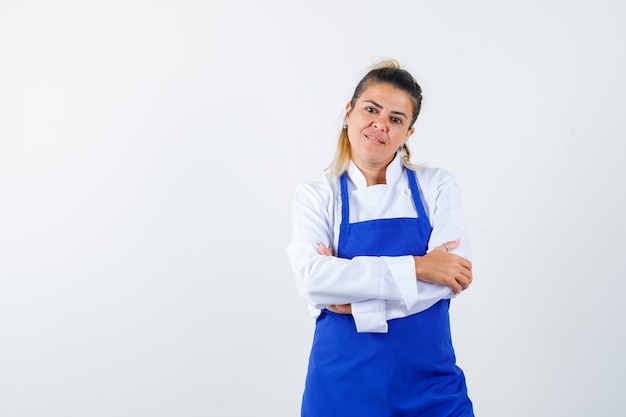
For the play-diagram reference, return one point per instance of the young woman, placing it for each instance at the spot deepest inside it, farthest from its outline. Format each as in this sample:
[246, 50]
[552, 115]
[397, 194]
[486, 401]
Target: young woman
[378, 250]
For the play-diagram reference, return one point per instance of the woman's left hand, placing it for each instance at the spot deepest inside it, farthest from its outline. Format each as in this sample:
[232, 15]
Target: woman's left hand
[335, 308]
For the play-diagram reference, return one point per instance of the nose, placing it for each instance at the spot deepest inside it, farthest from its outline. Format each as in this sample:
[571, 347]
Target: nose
[378, 123]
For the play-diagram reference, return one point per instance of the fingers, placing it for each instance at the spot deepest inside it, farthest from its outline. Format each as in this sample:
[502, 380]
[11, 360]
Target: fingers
[465, 279]
[453, 244]
[448, 269]
[454, 286]
[448, 246]
[340, 308]
[459, 283]
[464, 282]
[324, 250]
[463, 276]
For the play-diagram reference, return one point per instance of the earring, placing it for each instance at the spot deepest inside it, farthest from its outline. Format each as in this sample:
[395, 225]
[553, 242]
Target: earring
[345, 124]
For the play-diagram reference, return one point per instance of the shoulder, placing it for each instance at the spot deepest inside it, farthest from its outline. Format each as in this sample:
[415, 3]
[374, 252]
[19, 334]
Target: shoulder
[321, 191]
[433, 177]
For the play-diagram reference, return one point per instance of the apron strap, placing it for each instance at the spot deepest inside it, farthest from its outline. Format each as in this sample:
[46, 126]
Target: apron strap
[415, 192]
[345, 199]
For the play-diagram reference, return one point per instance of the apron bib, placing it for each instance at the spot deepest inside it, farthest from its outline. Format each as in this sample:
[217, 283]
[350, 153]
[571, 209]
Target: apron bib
[407, 372]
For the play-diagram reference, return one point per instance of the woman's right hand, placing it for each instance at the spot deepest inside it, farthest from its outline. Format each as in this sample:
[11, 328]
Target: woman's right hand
[335, 308]
[440, 267]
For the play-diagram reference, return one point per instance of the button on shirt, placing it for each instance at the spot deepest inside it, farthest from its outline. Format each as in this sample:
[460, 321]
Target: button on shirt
[379, 288]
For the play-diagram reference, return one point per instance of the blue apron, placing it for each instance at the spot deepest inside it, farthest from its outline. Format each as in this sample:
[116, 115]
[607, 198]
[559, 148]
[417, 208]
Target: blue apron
[408, 372]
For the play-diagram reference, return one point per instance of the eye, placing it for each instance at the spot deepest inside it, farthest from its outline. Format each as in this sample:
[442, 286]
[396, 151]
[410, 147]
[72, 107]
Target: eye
[396, 120]
[370, 110]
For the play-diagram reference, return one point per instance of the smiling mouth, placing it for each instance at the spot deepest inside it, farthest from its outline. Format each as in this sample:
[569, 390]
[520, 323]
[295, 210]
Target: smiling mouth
[372, 138]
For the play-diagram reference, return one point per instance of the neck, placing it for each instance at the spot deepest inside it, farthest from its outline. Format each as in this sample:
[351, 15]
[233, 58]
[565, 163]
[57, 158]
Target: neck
[374, 174]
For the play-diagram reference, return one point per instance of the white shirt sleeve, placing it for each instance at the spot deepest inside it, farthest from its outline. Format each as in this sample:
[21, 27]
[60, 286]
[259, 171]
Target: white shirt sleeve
[325, 280]
[442, 200]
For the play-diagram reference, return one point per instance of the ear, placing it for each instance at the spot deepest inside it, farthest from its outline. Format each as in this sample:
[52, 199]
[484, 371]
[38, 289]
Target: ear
[348, 110]
[409, 133]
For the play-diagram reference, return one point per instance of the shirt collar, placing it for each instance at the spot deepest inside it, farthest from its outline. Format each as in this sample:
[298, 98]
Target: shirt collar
[394, 170]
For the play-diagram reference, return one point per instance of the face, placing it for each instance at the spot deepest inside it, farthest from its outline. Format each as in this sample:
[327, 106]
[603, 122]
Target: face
[378, 125]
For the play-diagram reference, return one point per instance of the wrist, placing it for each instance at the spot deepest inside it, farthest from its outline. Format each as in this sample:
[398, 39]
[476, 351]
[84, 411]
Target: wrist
[418, 261]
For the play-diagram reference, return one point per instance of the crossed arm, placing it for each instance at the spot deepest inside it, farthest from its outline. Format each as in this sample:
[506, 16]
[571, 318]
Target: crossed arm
[436, 267]
[404, 284]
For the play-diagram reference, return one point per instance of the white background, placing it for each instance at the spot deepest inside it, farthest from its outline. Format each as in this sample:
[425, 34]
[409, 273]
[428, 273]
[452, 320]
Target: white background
[149, 151]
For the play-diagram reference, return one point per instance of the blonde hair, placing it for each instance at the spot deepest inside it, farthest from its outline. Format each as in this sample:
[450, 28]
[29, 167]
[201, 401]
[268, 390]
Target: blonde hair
[384, 72]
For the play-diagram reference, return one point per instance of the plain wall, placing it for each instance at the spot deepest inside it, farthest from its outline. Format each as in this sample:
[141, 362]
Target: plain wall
[149, 151]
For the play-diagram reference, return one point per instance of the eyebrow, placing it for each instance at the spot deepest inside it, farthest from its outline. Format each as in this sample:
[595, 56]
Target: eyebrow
[399, 113]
